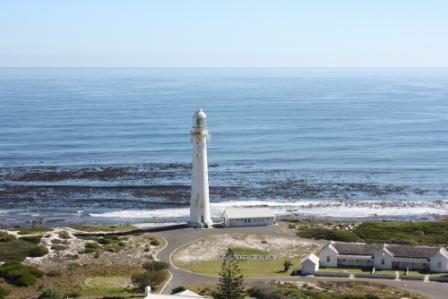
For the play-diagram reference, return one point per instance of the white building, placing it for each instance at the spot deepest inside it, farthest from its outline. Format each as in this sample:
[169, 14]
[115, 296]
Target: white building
[248, 217]
[424, 258]
[310, 264]
[181, 295]
[200, 203]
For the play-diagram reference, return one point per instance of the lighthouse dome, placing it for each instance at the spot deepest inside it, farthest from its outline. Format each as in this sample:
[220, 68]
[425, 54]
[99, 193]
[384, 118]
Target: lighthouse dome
[200, 119]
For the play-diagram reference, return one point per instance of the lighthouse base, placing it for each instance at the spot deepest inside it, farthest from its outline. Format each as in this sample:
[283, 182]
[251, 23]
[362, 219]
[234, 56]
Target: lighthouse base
[200, 224]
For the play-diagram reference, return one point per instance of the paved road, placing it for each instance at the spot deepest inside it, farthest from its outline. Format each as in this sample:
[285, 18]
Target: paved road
[179, 237]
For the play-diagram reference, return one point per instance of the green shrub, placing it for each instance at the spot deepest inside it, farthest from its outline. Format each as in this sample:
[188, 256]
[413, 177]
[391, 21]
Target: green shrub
[422, 233]
[32, 239]
[18, 250]
[91, 247]
[5, 237]
[52, 294]
[4, 292]
[19, 275]
[37, 251]
[34, 230]
[328, 234]
[155, 265]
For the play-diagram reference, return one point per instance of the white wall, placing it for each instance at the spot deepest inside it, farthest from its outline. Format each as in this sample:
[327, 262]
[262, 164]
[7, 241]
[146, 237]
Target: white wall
[438, 263]
[249, 221]
[328, 257]
[378, 258]
[308, 267]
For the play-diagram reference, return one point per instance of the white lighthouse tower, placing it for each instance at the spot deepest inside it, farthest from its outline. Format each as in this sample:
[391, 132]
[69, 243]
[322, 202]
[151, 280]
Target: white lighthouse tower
[200, 204]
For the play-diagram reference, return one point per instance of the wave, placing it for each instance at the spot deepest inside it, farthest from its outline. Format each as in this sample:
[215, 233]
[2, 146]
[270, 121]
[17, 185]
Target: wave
[360, 209]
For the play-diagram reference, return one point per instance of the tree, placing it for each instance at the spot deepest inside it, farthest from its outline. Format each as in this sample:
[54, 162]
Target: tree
[231, 283]
[287, 265]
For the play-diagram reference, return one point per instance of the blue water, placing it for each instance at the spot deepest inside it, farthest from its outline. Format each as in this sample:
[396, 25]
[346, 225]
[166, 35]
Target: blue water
[382, 126]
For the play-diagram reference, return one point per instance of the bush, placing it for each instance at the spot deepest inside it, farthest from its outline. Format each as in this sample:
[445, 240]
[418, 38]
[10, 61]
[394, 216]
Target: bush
[153, 278]
[178, 290]
[32, 239]
[64, 235]
[5, 237]
[19, 275]
[38, 251]
[287, 265]
[53, 273]
[154, 242]
[34, 230]
[328, 234]
[58, 247]
[4, 292]
[73, 294]
[15, 251]
[91, 247]
[51, 294]
[155, 265]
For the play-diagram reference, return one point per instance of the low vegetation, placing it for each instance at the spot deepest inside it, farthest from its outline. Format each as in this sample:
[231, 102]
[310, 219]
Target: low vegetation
[293, 292]
[103, 228]
[19, 275]
[328, 234]
[312, 290]
[413, 233]
[416, 233]
[18, 250]
[154, 275]
[248, 251]
[5, 237]
[4, 292]
[32, 239]
[34, 230]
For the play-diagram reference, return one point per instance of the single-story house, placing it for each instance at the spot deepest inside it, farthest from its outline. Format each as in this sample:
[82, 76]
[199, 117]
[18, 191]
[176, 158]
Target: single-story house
[248, 217]
[425, 258]
[310, 264]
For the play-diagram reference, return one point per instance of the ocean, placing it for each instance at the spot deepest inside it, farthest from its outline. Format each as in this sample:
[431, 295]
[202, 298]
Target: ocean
[113, 144]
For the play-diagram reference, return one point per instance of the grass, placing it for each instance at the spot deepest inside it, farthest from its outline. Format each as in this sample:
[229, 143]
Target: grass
[392, 272]
[249, 268]
[445, 275]
[349, 270]
[91, 228]
[412, 233]
[413, 273]
[18, 250]
[108, 285]
[249, 251]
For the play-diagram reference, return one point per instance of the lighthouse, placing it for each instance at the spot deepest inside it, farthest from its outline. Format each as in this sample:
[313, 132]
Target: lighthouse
[200, 204]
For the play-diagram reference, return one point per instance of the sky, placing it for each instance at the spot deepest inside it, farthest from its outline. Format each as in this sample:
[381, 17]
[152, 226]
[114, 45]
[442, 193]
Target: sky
[226, 33]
